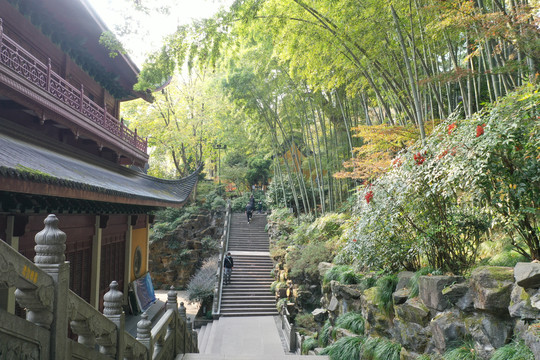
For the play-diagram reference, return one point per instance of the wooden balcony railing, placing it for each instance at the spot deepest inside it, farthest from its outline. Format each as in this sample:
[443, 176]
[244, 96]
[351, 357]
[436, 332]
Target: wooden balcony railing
[13, 56]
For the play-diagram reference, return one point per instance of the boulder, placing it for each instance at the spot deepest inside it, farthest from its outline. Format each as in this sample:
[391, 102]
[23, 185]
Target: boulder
[492, 286]
[489, 332]
[431, 290]
[413, 311]
[404, 278]
[455, 292]
[345, 291]
[447, 328]
[320, 315]
[535, 300]
[527, 275]
[411, 336]
[521, 305]
[530, 335]
[377, 322]
[323, 267]
[400, 296]
[334, 303]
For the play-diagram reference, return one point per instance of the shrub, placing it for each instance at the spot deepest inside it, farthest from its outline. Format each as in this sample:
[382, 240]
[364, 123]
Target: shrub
[516, 350]
[369, 347]
[386, 286]
[334, 273]
[346, 348]
[305, 321]
[325, 334]
[280, 303]
[351, 321]
[201, 286]
[277, 285]
[387, 350]
[309, 344]
[465, 351]
[303, 262]
[218, 203]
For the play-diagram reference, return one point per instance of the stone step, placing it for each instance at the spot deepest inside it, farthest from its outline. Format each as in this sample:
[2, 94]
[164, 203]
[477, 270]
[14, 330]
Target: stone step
[250, 313]
[204, 341]
[229, 304]
[211, 337]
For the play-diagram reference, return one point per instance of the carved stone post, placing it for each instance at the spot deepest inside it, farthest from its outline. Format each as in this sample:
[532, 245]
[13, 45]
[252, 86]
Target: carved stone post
[182, 311]
[112, 309]
[144, 333]
[172, 302]
[50, 248]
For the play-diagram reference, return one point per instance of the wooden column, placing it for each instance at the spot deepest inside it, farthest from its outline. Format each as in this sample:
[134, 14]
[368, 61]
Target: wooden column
[96, 264]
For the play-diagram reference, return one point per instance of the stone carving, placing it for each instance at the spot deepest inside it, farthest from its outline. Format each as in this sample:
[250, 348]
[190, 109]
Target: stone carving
[112, 300]
[14, 348]
[50, 243]
[84, 332]
[8, 275]
[36, 312]
[144, 328]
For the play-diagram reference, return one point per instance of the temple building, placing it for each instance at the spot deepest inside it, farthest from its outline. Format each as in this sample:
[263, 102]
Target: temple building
[64, 150]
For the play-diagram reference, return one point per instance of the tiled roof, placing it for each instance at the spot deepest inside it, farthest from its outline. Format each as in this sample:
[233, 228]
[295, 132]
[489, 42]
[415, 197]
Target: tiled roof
[33, 163]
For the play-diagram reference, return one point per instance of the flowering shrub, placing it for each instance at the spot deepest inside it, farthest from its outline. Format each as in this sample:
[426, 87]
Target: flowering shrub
[440, 211]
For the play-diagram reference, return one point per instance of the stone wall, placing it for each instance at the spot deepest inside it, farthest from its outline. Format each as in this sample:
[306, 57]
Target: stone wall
[489, 308]
[174, 259]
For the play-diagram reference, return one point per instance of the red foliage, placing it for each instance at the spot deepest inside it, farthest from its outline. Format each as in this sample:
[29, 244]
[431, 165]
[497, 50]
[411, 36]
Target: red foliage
[369, 196]
[480, 130]
[451, 128]
[419, 158]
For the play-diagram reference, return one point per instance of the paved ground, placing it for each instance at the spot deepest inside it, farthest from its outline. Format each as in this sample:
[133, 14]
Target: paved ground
[191, 307]
[247, 338]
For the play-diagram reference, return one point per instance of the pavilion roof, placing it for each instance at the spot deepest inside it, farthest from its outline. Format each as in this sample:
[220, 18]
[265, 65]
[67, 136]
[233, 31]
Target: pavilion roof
[30, 168]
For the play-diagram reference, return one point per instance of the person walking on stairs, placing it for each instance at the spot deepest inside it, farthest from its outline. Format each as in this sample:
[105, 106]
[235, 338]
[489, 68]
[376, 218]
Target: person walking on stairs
[249, 212]
[228, 264]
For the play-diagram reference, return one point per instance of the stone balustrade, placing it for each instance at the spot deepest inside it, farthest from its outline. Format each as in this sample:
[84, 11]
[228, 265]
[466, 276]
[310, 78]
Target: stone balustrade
[219, 273]
[41, 288]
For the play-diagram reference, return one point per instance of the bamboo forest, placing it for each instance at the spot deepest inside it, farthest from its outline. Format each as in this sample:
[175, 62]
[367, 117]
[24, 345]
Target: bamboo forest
[382, 138]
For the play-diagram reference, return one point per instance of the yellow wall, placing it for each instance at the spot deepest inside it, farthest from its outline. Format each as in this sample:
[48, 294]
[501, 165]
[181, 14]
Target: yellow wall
[140, 238]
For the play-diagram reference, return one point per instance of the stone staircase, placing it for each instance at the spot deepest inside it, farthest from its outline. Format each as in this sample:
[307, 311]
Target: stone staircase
[246, 330]
[249, 294]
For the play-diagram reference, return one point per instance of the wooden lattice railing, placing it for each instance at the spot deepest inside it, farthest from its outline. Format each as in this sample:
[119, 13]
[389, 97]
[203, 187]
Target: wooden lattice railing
[16, 58]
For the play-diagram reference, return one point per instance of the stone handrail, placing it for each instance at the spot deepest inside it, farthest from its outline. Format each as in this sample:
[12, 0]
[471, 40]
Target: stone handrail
[162, 339]
[41, 288]
[288, 329]
[16, 58]
[216, 306]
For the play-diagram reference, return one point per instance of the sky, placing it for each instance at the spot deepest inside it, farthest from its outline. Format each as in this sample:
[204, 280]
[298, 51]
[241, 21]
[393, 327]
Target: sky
[153, 27]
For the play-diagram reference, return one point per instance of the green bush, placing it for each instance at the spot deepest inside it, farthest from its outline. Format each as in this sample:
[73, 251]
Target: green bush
[386, 286]
[306, 321]
[463, 352]
[346, 348]
[280, 303]
[516, 350]
[325, 334]
[351, 321]
[309, 344]
[507, 257]
[303, 262]
[277, 285]
[334, 273]
[369, 347]
[387, 350]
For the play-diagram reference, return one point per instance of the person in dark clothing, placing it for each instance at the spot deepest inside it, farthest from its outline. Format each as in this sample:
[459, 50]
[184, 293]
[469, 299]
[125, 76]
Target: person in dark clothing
[249, 212]
[260, 206]
[228, 264]
[252, 202]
